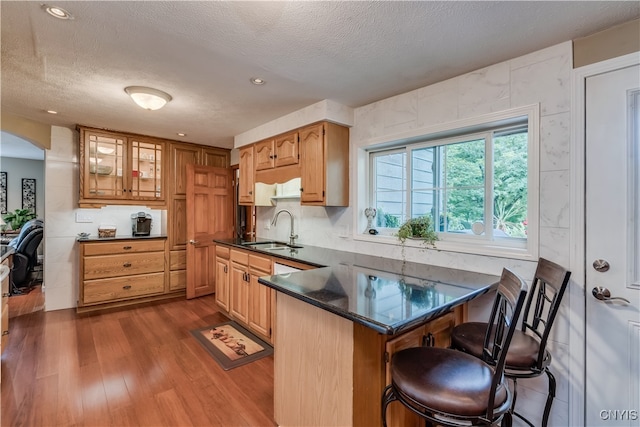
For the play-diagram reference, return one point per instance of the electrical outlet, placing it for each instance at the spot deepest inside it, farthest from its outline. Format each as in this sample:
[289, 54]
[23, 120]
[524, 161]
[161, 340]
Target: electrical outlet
[83, 217]
[267, 225]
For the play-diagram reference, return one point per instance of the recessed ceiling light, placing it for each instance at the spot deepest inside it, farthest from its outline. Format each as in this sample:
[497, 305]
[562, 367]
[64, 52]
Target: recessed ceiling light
[52, 112]
[182, 134]
[257, 81]
[57, 12]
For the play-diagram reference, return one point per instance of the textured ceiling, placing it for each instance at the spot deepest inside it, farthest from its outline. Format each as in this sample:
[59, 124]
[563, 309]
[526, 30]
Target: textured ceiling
[203, 54]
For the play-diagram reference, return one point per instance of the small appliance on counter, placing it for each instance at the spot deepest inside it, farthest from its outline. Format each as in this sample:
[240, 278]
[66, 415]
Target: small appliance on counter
[140, 224]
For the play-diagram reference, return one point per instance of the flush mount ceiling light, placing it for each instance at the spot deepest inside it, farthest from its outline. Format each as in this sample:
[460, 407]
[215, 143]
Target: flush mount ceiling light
[257, 81]
[57, 12]
[148, 98]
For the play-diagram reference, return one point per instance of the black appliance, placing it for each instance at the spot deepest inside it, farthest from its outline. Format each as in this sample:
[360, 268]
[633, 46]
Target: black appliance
[140, 224]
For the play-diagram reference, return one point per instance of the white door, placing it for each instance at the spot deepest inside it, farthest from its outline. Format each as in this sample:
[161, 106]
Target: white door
[613, 248]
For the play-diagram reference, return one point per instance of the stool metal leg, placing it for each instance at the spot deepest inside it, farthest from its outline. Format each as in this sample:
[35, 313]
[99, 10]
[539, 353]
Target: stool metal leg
[388, 396]
[550, 396]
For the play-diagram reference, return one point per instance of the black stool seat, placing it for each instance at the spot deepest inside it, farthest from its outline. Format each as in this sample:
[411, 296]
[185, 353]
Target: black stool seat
[523, 352]
[447, 381]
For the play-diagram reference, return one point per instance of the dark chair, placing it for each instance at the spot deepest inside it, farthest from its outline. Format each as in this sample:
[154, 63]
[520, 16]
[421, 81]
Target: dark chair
[25, 258]
[452, 388]
[27, 227]
[528, 356]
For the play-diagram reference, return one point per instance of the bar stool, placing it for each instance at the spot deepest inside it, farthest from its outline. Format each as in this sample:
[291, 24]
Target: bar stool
[528, 356]
[452, 388]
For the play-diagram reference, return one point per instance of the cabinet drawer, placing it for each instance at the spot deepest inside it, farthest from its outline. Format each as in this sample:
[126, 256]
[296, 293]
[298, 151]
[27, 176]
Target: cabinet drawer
[5, 326]
[178, 260]
[123, 265]
[241, 257]
[103, 290]
[177, 280]
[123, 247]
[260, 263]
[222, 251]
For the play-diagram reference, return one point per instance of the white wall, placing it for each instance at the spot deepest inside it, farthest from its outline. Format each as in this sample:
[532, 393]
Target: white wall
[61, 229]
[542, 77]
[16, 170]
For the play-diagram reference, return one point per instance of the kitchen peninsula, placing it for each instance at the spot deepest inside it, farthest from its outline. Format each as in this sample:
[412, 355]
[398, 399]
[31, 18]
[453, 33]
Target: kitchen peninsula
[338, 325]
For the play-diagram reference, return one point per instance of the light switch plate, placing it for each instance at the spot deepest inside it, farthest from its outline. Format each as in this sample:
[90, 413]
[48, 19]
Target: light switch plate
[83, 217]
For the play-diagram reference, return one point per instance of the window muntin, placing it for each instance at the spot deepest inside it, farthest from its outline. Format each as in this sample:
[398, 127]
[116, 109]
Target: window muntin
[459, 182]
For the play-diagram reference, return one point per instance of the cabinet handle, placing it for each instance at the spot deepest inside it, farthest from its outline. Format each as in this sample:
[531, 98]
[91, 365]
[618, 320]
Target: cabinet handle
[126, 248]
[271, 157]
[126, 264]
[275, 156]
[428, 340]
[301, 190]
[5, 333]
[250, 192]
[126, 287]
[225, 268]
[6, 295]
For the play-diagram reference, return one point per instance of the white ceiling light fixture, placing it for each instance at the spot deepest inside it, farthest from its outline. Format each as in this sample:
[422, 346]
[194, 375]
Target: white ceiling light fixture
[257, 81]
[57, 12]
[148, 98]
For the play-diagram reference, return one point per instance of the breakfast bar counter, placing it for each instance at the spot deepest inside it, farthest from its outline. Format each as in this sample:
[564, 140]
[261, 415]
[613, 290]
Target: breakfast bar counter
[337, 326]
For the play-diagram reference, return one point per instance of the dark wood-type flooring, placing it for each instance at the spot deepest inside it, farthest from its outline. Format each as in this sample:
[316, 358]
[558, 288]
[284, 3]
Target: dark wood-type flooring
[129, 367]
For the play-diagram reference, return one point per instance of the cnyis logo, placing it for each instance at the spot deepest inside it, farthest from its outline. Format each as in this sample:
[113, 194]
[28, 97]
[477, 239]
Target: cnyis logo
[619, 414]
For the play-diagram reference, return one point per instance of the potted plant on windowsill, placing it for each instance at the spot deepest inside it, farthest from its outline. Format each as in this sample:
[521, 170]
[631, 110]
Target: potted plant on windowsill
[419, 229]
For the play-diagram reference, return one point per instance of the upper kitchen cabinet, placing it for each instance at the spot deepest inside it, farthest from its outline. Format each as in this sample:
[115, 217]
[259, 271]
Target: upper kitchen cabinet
[324, 163]
[276, 152]
[246, 166]
[119, 168]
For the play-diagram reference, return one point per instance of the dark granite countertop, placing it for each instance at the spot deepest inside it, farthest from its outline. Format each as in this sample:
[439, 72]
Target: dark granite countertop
[387, 295]
[119, 237]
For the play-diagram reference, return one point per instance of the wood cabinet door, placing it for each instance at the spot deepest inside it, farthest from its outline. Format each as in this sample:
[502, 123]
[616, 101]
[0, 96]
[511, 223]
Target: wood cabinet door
[181, 156]
[398, 415]
[264, 154]
[215, 157]
[438, 332]
[209, 217]
[239, 304]
[286, 150]
[105, 173]
[147, 169]
[312, 158]
[222, 282]
[259, 304]
[246, 167]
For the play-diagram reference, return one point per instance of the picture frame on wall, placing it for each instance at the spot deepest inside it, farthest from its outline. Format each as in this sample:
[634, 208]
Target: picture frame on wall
[3, 192]
[29, 193]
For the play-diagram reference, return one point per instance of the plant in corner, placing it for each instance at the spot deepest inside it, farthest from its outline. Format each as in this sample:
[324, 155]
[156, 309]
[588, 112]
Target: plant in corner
[18, 218]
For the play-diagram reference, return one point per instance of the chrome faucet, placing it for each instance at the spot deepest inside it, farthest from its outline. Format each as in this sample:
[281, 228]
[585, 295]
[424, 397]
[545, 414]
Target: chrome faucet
[292, 237]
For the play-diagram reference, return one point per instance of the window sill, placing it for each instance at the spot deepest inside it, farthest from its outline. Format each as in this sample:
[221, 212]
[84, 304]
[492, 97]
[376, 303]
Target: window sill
[473, 248]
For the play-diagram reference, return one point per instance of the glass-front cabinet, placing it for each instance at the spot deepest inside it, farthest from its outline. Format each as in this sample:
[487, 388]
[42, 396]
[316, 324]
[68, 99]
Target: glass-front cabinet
[119, 167]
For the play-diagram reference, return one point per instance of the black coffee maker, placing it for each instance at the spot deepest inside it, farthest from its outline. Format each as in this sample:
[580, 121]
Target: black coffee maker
[140, 224]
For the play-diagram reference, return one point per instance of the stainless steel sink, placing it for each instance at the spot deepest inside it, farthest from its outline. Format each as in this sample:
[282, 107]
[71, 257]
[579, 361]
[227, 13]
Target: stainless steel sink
[270, 245]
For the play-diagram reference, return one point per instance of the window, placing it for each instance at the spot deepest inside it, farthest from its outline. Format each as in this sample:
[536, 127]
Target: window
[474, 183]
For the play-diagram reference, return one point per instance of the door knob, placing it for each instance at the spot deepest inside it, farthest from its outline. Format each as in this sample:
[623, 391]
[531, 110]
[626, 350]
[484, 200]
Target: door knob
[603, 294]
[193, 242]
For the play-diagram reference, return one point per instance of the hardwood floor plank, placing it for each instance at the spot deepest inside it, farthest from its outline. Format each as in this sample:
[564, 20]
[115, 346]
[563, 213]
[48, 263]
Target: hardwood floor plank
[94, 399]
[135, 366]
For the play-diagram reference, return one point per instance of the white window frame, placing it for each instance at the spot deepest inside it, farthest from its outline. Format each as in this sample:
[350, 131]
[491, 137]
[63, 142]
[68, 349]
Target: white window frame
[435, 135]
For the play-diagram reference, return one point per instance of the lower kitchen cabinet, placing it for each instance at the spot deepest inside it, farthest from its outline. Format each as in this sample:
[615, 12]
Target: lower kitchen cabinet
[259, 295]
[6, 263]
[246, 300]
[223, 277]
[122, 272]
